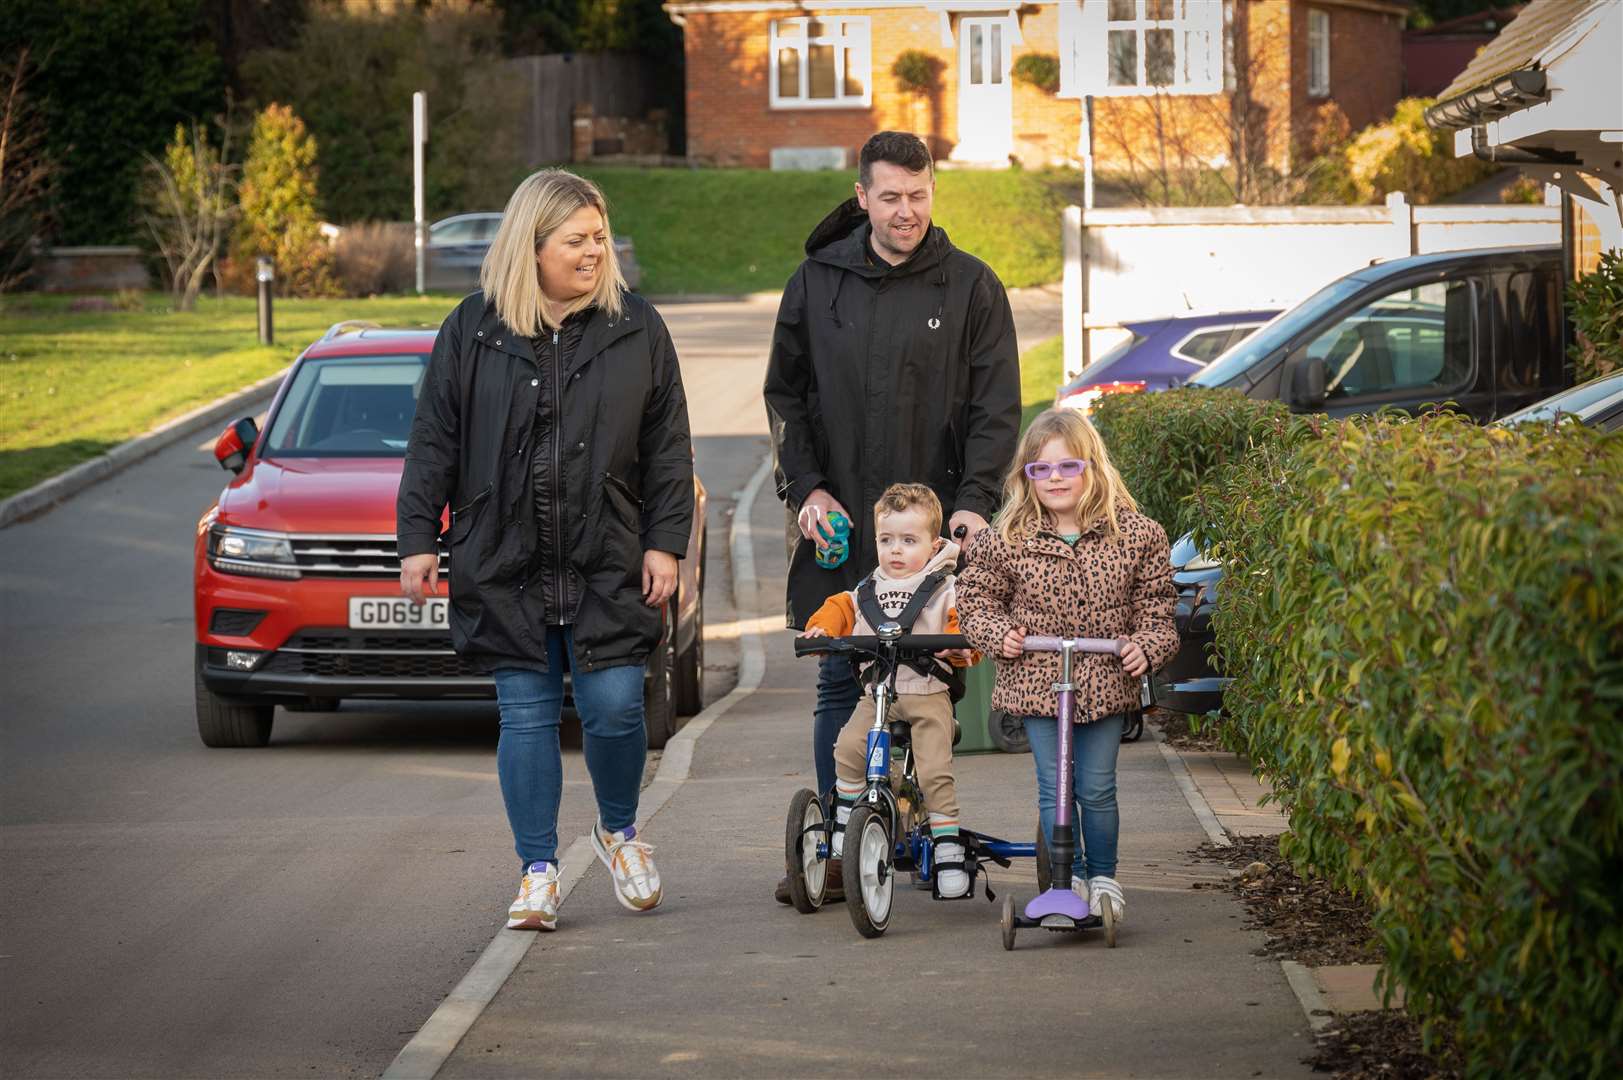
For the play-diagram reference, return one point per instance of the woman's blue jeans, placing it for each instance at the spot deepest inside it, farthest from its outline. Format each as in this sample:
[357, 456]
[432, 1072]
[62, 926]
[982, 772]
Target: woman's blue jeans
[529, 762]
[1093, 769]
[837, 695]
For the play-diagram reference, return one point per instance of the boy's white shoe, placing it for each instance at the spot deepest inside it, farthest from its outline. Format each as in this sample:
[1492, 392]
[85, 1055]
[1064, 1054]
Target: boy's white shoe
[636, 881]
[537, 905]
[954, 882]
[842, 816]
[1105, 890]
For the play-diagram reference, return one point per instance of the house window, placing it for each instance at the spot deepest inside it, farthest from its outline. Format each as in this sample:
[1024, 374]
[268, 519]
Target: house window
[1127, 47]
[820, 63]
[1318, 53]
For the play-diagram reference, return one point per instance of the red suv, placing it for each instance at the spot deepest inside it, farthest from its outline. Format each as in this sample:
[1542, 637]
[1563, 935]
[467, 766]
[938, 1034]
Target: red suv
[297, 586]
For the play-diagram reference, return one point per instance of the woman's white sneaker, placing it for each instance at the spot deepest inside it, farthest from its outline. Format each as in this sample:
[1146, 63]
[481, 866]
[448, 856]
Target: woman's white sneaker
[636, 881]
[537, 905]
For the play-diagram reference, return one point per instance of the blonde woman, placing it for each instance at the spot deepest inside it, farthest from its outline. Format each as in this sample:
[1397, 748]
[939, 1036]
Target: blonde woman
[552, 422]
[1070, 555]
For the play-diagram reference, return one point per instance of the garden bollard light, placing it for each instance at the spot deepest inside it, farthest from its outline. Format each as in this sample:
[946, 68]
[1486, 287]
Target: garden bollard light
[265, 272]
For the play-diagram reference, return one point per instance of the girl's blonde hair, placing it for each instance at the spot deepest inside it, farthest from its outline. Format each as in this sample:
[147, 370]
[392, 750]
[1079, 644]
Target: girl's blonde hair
[1104, 494]
[542, 202]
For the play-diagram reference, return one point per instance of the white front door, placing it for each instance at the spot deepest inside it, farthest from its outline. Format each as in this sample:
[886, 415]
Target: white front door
[985, 118]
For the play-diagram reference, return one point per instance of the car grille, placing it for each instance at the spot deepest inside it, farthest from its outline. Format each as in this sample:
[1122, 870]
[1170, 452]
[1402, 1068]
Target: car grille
[352, 555]
[343, 654]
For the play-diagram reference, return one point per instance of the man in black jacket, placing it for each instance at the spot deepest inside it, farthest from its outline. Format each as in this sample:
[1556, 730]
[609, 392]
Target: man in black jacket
[894, 360]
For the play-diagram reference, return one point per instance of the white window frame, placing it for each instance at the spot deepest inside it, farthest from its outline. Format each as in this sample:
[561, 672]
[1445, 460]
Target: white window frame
[1085, 27]
[854, 39]
[1318, 52]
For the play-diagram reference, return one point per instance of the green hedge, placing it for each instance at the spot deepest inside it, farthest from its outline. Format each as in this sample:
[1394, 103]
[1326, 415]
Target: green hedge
[1424, 624]
[1165, 444]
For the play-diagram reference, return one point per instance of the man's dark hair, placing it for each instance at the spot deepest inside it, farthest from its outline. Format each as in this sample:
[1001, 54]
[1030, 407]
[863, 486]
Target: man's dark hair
[897, 148]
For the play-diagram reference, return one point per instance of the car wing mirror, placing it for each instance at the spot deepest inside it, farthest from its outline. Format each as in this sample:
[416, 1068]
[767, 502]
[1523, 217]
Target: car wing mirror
[231, 449]
[1308, 379]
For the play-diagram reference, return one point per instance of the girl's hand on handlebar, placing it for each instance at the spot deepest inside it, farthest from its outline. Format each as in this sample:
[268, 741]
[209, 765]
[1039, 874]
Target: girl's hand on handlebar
[1133, 659]
[1014, 642]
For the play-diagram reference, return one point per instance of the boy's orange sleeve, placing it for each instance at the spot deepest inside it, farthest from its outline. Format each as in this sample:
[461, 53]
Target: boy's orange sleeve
[953, 628]
[837, 617]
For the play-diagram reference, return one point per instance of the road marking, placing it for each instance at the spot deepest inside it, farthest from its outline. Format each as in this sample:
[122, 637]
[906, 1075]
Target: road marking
[428, 1050]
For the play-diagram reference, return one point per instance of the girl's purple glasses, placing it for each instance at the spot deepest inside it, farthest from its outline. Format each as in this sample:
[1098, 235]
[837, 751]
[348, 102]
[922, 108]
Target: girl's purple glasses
[1067, 468]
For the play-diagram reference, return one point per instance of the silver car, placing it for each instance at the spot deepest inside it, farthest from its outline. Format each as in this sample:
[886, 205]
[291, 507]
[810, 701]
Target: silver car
[457, 245]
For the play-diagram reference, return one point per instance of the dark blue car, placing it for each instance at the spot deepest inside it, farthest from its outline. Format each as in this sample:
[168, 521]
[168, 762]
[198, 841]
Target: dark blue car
[1159, 354]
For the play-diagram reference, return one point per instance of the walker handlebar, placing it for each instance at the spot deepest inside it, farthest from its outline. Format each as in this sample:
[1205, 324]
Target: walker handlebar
[1113, 646]
[907, 644]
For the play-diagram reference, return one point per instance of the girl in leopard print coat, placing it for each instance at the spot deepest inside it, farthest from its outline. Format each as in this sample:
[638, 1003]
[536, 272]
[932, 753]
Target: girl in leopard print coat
[1069, 555]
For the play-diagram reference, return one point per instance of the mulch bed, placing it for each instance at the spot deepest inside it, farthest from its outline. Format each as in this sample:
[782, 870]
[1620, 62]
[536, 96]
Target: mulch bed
[1315, 924]
[1176, 729]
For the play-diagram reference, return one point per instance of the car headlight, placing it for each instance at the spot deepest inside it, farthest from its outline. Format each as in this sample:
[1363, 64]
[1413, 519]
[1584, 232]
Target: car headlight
[252, 552]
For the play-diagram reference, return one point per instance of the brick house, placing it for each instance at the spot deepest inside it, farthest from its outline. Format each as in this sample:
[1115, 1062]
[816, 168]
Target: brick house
[800, 81]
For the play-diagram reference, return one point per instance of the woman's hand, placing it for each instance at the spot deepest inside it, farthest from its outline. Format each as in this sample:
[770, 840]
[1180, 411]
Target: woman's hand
[658, 577]
[1014, 642]
[415, 570]
[1133, 659]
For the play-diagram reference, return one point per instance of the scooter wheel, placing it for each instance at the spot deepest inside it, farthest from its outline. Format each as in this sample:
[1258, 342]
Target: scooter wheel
[1007, 923]
[1107, 915]
[870, 871]
[808, 875]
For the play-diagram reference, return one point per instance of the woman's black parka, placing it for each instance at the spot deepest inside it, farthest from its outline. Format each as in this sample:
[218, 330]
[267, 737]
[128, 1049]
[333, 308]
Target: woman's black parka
[594, 419]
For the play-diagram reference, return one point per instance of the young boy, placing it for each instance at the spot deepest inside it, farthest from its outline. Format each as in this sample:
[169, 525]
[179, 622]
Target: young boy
[907, 522]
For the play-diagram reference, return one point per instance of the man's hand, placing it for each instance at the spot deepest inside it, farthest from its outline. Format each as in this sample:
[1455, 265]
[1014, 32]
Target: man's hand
[970, 520]
[658, 577]
[415, 571]
[1014, 642]
[1133, 659]
[815, 510]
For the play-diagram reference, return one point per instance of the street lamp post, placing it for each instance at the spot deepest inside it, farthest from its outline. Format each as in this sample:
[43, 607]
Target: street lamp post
[265, 274]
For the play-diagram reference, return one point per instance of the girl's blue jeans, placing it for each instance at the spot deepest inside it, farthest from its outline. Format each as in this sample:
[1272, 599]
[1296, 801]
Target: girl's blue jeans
[528, 760]
[1094, 748]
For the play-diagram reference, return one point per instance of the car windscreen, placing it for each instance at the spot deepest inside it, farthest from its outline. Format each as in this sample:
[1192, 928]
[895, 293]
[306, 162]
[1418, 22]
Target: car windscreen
[1584, 401]
[1269, 338]
[347, 406]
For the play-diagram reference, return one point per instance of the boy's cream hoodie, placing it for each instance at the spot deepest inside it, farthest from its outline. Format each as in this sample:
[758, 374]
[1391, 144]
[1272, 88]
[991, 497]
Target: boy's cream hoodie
[840, 617]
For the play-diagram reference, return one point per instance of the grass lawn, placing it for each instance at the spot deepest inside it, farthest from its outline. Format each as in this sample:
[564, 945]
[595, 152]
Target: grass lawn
[744, 230]
[1040, 368]
[75, 384]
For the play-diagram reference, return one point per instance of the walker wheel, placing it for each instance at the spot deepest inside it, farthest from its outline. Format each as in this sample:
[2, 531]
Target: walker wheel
[808, 875]
[870, 871]
[1007, 922]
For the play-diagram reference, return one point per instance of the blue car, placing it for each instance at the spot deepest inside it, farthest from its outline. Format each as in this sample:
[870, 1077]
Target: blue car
[1159, 354]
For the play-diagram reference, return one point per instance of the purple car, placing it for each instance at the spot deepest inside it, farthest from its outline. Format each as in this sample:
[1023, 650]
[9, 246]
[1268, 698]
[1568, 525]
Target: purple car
[1160, 354]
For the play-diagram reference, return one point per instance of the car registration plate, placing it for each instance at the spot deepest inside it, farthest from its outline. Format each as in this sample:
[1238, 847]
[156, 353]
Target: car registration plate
[397, 613]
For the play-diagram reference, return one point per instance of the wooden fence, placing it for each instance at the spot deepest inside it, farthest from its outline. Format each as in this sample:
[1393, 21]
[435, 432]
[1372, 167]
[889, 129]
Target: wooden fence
[614, 84]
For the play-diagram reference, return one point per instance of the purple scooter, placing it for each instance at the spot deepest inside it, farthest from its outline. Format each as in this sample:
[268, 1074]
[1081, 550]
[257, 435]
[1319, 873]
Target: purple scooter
[1058, 908]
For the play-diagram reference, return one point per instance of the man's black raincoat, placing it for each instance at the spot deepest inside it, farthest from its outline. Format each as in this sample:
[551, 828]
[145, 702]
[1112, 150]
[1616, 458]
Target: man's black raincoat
[883, 375]
[563, 460]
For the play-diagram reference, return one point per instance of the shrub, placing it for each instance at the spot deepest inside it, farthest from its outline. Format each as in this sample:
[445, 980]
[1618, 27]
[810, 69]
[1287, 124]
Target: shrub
[376, 257]
[917, 71]
[1039, 70]
[278, 200]
[1400, 154]
[187, 201]
[1596, 304]
[1165, 444]
[1421, 619]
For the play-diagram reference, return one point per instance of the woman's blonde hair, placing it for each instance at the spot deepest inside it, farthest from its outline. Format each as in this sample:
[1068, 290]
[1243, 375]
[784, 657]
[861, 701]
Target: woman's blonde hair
[1103, 492]
[541, 203]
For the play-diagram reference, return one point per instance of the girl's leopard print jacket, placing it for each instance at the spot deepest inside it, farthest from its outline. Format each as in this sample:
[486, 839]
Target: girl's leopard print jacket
[1100, 588]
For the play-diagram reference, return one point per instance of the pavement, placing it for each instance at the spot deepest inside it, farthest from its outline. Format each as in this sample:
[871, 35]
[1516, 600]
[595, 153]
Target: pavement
[723, 981]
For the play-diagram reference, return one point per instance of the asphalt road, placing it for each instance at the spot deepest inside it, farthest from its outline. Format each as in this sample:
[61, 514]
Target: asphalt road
[169, 910]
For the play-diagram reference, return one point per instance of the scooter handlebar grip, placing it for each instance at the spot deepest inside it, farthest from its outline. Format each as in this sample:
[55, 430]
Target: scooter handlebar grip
[907, 643]
[1037, 643]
